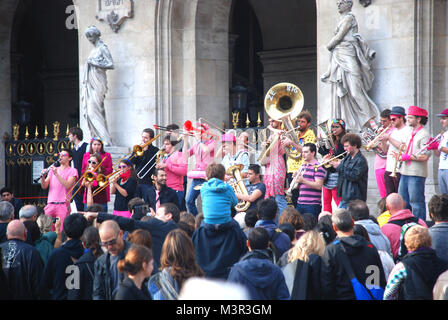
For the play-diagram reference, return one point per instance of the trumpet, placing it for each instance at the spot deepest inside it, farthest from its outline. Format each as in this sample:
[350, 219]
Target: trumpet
[397, 162]
[188, 126]
[326, 164]
[437, 138]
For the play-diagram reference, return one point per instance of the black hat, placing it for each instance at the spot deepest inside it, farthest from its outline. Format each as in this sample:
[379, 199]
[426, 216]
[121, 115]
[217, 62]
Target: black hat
[398, 111]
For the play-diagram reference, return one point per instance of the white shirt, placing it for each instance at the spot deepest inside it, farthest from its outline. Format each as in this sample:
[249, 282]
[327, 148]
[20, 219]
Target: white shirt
[443, 159]
[400, 135]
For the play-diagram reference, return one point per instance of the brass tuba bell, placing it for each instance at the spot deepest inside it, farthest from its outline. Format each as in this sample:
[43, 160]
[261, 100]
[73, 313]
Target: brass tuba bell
[284, 102]
[238, 186]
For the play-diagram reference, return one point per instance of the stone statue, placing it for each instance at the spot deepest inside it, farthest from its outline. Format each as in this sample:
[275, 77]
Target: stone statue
[349, 72]
[94, 86]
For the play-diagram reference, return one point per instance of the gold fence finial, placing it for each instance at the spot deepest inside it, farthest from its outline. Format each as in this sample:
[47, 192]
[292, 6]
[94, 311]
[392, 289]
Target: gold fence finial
[36, 133]
[56, 129]
[15, 131]
[27, 134]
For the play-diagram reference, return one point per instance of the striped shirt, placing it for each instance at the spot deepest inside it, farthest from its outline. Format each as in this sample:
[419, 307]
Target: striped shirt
[308, 195]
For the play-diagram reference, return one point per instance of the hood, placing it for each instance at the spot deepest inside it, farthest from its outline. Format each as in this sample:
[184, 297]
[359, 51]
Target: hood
[215, 185]
[402, 214]
[74, 248]
[371, 227]
[257, 269]
[353, 244]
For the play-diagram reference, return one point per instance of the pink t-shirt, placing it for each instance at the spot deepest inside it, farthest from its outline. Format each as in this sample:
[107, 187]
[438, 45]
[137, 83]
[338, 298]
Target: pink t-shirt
[56, 191]
[176, 169]
[203, 159]
[380, 163]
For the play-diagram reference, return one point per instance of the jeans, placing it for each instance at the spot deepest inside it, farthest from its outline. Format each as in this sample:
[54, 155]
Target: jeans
[181, 200]
[314, 209]
[412, 190]
[281, 203]
[192, 196]
[343, 205]
[443, 181]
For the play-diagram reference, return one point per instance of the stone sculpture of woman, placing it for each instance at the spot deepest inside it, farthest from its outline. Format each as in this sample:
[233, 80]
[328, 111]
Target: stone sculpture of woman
[350, 73]
[94, 86]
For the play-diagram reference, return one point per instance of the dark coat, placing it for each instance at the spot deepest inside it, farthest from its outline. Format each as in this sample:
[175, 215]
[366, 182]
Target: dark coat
[86, 274]
[263, 279]
[352, 179]
[127, 290]
[22, 267]
[282, 241]
[3, 227]
[166, 195]
[157, 228]
[102, 282]
[53, 284]
[218, 247]
[336, 283]
[423, 267]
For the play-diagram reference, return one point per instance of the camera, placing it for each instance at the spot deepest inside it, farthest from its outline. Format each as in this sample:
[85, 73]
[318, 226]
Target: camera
[140, 211]
[54, 219]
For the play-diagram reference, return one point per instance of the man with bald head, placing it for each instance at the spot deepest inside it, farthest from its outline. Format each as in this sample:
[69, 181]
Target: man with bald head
[107, 277]
[22, 264]
[399, 217]
[6, 215]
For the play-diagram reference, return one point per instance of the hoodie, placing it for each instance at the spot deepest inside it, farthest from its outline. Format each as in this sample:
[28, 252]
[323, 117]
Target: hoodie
[218, 198]
[263, 279]
[378, 239]
[53, 284]
[364, 260]
[393, 231]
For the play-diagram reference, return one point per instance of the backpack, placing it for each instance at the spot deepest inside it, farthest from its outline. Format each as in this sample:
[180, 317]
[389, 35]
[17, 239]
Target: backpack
[360, 290]
[272, 248]
[405, 224]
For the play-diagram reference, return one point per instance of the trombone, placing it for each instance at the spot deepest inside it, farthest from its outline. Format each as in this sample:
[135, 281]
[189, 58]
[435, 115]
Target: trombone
[88, 175]
[137, 150]
[157, 156]
[104, 181]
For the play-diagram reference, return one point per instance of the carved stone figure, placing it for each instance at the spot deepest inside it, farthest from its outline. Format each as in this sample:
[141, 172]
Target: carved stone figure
[349, 72]
[94, 86]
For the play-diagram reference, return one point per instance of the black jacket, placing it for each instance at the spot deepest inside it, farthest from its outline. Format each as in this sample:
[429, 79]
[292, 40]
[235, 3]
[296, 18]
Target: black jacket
[157, 228]
[218, 247]
[336, 283]
[23, 269]
[77, 156]
[102, 282]
[166, 195]
[127, 290]
[140, 162]
[353, 177]
[53, 284]
[423, 267]
[86, 274]
[3, 227]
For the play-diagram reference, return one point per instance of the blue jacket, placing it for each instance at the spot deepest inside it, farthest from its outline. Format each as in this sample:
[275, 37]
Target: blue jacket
[218, 199]
[218, 247]
[283, 242]
[263, 279]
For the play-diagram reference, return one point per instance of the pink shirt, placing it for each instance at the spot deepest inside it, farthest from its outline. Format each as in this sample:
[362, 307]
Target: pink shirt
[380, 163]
[107, 166]
[56, 191]
[203, 159]
[176, 169]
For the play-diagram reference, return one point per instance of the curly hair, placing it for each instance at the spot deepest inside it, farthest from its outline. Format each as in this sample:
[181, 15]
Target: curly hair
[417, 237]
[179, 257]
[292, 216]
[310, 242]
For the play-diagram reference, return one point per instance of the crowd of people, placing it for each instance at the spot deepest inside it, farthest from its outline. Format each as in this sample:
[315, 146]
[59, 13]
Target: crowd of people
[294, 224]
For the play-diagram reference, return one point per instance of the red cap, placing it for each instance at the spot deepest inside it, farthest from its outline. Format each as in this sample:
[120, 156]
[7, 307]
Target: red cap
[417, 111]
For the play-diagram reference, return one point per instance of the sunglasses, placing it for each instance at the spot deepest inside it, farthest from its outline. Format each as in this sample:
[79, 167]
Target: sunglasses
[122, 167]
[109, 243]
[63, 154]
[92, 162]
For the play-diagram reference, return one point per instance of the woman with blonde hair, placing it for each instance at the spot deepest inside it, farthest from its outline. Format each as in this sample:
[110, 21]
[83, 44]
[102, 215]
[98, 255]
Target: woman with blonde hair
[302, 273]
[177, 264]
[414, 277]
